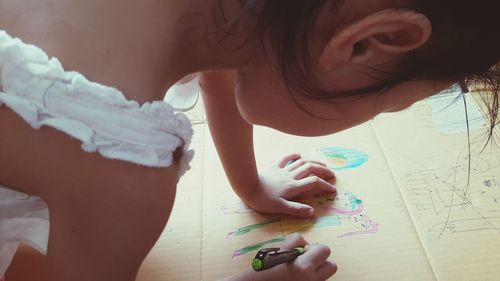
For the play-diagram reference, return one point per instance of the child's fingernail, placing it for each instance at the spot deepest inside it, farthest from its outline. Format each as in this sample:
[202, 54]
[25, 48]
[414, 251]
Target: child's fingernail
[310, 212]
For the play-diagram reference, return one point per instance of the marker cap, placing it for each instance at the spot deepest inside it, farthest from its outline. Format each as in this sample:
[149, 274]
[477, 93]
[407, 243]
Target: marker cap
[257, 264]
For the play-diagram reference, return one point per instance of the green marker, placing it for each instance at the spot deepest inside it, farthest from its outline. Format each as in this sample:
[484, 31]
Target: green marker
[271, 257]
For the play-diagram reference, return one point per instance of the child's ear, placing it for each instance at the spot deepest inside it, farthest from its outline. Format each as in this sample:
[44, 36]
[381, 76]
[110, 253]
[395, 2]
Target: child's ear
[375, 38]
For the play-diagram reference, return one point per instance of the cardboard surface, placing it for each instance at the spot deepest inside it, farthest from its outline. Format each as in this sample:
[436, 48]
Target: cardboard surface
[457, 216]
[386, 248]
[406, 208]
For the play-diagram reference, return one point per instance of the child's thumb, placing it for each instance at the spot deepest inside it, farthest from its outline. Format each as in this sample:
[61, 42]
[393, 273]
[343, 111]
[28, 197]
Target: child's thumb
[293, 240]
[297, 209]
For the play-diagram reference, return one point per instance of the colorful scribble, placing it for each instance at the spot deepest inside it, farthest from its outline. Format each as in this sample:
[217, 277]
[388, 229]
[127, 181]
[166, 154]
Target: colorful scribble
[344, 158]
[344, 212]
[364, 225]
[348, 204]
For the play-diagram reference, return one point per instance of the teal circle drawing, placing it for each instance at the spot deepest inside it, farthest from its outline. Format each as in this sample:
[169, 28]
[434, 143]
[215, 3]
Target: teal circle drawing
[339, 158]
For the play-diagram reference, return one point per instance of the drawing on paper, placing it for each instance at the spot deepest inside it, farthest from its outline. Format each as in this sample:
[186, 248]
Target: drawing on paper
[236, 208]
[343, 158]
[454, 202]
[344, 212]
[448, 112]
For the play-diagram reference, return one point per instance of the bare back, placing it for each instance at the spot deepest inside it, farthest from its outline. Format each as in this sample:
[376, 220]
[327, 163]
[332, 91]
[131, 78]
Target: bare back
[97, 204]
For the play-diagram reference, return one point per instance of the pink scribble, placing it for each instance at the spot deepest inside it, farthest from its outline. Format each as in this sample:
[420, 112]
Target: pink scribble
[236, 253]
[357, 211]
[371, 228]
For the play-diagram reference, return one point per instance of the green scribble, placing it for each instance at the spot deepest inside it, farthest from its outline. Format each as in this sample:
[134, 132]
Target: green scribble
[256, 247]
[247, 229]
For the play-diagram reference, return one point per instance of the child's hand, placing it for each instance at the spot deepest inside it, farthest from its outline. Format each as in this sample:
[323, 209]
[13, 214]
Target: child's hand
[283, 181]
[312, 265]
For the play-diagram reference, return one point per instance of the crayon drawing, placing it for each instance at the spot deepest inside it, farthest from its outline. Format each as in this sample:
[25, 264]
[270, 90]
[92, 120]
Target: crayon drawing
[344, 212]
[343, 158]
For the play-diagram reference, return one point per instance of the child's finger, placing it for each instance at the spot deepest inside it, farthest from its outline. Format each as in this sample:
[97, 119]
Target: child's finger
[309, 184]
[294, 165]
[293, 240]
[298, 163]
[313, 169]
[313, 257]
[287, 159]
[326, 270]
[296, 209]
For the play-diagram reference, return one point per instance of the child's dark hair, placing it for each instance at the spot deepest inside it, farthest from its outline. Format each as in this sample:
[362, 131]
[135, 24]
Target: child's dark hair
[465, 46]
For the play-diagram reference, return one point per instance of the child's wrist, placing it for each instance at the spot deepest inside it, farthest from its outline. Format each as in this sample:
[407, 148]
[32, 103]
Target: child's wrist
[246, 191]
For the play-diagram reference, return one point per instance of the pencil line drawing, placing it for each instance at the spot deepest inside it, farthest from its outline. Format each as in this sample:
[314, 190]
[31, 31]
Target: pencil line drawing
[455, 201]
[236, 208]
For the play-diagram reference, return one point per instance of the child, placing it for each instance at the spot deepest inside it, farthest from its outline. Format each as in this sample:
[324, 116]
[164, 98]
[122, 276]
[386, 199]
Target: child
[107, 168]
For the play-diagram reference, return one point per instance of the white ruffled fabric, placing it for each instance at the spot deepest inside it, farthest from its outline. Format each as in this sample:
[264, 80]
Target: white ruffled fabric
[23, 219]
[43, 94]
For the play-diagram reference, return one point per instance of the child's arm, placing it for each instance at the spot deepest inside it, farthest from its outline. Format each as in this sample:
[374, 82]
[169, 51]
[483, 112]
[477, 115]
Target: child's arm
[233, 137]
[312, 265]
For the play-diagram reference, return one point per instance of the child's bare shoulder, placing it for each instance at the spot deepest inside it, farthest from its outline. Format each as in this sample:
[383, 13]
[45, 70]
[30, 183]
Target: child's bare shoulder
[107, 41]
